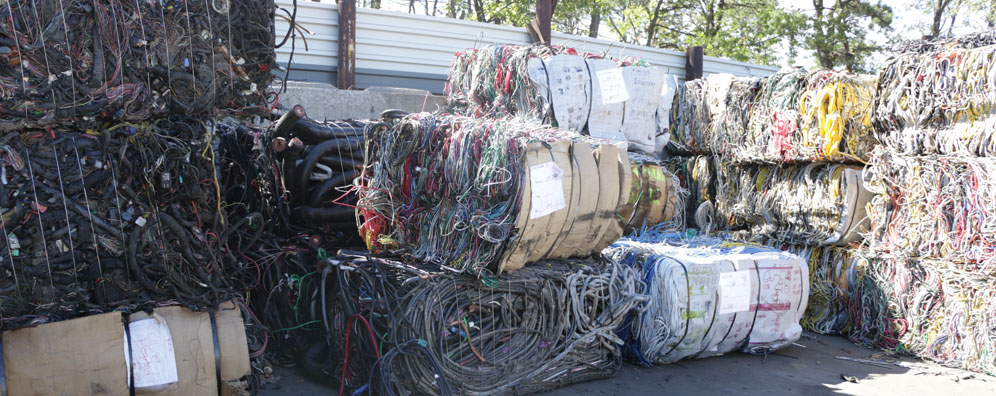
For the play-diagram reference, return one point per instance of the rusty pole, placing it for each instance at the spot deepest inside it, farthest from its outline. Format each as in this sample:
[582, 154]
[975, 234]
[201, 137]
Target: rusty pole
[346, 70]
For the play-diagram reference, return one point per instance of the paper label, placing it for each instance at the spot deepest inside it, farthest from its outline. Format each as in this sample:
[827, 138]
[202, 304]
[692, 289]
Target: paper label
[547, 195]
[152, 349]
[570, 84]
[640, 116]
[734, 292]
[612, 86]
[604, 120]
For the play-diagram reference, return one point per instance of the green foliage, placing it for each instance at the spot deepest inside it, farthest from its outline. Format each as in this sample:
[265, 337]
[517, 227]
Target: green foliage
[839, 33]
[758, 31]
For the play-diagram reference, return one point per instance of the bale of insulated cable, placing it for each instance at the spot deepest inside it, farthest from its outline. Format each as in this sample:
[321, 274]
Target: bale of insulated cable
[790, 116]
[76, 62]
[487, 196]
[495, 81]
[614, 99]
[934, 207]
[314, 168]
[939, 98]
[926, 308]
[656, 198]
[127, 216]
[795, 115]
[698, 113]
[708, 297]
[542, 327]
[695, 175]
[797, 204]
[833, 279]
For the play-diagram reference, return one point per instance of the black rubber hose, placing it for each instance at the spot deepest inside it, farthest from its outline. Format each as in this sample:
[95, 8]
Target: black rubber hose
[329, 185]
[316, 153]
[313, 132]
[321, 216]
[341, 163]
[288, 120]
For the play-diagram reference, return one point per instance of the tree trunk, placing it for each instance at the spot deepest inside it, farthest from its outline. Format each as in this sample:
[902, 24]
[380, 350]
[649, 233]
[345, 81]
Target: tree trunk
[451, 11]
[596, 19]
[822, 52]
[652, 28]
[479, 9]
[940, 6]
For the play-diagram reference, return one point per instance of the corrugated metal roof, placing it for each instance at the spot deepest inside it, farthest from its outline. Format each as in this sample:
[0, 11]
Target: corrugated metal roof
[414, 51]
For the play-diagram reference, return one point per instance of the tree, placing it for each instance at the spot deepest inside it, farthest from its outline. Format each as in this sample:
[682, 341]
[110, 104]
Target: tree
[839, 32]
[745, 30]
[945, 14]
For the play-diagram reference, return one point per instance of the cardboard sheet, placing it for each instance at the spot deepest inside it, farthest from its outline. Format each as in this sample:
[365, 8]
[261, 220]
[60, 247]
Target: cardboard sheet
[87, 355]
[578, 227]
[79, 356]
[560, 152]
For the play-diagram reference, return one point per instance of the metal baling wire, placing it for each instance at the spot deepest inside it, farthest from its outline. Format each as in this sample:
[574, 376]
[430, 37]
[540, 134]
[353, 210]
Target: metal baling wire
[62, 189]
[20, 58]
[86, 199]
[41, 227]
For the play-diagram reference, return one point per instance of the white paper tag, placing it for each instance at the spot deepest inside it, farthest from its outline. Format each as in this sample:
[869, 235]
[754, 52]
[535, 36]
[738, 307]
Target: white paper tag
[547, 195]
[140, 221]
[152, 349]
[612, 86]
[734, 292]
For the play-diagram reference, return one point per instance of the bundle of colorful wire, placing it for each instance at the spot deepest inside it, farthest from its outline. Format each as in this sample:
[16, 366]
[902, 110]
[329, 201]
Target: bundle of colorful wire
[490, 195]
[695, 175]
[939, 99]
[790, 116]
[934, 207]
[539, 328]
[795, 204]
[608, 98]
[495, 81]
[698, 113]
[833, 278]
[932, 309]
[708, 297]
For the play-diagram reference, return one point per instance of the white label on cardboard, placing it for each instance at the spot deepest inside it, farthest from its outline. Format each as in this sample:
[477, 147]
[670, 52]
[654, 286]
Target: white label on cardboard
[734, 292]
[152, 349]
[612, 86]
[547, 195]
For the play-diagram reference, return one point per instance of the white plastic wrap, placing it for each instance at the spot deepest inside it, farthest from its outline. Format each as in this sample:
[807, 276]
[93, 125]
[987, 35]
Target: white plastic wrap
[707, 301]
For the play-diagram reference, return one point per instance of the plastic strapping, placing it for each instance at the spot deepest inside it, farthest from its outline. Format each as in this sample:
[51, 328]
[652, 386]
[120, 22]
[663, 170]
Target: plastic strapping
[217, 351]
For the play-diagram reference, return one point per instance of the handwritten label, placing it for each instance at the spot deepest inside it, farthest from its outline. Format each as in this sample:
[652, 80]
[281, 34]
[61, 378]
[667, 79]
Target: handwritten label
[640, 119]
[547, 195]
[612, 86]
[605, 120]
[570, 86]
[152, 349]
[734, 292]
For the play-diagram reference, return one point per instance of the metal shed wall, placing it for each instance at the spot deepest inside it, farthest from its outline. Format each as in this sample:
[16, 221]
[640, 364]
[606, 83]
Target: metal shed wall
[397, 49]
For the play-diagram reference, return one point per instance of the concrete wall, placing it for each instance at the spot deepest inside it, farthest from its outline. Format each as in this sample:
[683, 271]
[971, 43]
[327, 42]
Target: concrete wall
[325, 101]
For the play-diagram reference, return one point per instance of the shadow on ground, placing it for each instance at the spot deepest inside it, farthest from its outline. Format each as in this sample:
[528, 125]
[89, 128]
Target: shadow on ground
[813, 368]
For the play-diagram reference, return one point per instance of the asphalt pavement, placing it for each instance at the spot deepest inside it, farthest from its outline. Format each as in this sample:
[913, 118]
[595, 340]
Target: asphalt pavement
[818, 365]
